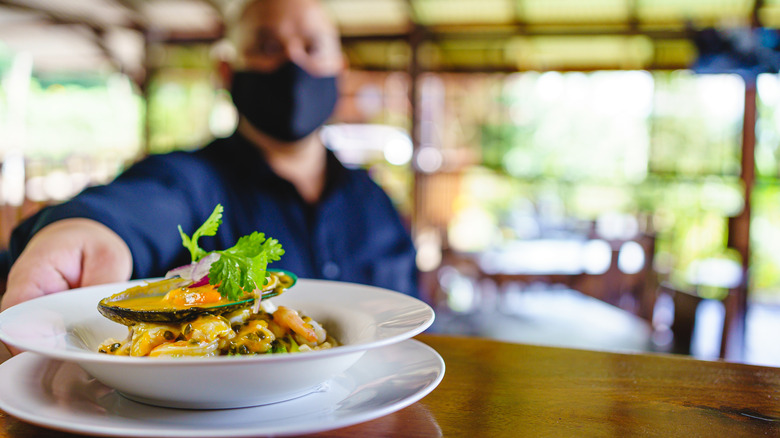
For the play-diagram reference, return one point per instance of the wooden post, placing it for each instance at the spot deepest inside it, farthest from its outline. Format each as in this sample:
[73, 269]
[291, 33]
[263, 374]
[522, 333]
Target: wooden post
[415, 38]
[144, 84]
[733, 340]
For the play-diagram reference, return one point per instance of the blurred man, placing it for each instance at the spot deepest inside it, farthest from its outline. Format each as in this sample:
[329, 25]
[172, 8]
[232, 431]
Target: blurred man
[273, 175]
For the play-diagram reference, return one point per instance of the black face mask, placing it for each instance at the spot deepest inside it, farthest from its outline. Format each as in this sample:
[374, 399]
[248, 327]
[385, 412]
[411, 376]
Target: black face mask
[288, 104]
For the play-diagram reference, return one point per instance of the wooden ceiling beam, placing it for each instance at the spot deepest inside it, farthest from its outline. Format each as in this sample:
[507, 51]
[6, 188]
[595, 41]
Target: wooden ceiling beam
[96, 30]
[137, 20]
[755, 16]
[508, 69]
[481, 32]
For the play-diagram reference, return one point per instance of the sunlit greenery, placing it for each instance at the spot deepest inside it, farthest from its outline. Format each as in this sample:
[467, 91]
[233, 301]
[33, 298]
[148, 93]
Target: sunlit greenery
[179, 110]
[765, 226]
[182, 93]
[571, 147]
[66, 118]
[72, 129]
[696, 124]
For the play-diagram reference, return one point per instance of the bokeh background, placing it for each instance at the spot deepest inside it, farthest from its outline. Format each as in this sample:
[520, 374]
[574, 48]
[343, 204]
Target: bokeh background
[623, 149]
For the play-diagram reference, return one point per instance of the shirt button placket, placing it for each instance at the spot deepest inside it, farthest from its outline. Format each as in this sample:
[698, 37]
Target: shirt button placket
[331, 270]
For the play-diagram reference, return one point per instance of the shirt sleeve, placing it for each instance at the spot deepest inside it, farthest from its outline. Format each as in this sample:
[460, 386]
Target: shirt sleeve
[144, 206]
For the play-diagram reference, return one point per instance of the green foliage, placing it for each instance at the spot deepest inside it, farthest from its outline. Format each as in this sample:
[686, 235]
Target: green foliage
[573, 146]
[181, 98]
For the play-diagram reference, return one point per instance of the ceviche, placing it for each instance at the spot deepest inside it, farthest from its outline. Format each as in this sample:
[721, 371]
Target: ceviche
[217, 305]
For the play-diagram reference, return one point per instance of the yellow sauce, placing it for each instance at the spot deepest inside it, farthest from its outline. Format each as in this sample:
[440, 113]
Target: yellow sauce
[164, 302]
[147, 303]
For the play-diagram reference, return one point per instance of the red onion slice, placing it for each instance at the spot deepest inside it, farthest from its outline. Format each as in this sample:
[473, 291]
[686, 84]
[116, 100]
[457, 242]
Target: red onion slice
[196, 272]
[202, 282]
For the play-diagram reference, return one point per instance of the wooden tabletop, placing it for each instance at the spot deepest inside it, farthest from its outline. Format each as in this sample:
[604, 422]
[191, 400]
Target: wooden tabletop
[500, 389]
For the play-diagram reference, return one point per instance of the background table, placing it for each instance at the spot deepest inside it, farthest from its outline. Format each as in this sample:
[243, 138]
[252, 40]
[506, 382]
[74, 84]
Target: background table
[495, 388]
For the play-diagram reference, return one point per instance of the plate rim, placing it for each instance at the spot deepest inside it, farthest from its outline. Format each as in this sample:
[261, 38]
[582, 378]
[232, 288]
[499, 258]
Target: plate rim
[85, 427]
[72, 355]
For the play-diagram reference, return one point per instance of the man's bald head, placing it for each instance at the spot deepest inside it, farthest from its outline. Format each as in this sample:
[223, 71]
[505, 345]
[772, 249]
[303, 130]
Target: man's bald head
[267, 33]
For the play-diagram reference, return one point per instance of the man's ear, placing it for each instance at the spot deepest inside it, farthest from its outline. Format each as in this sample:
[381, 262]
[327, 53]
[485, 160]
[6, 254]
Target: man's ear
[225, 72]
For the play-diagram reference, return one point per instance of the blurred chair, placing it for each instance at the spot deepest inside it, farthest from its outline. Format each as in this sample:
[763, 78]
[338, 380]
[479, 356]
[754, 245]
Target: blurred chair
[435, 283]
[683, 323]
[732, 345]
[619, 272]
[687, 326]
[630, 282]
[725, 278]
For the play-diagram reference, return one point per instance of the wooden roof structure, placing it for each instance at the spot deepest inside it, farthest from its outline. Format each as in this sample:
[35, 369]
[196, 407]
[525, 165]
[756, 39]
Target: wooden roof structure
[432, 35]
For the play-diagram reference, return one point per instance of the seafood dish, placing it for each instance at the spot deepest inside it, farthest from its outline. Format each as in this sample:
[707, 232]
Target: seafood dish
[217, 305]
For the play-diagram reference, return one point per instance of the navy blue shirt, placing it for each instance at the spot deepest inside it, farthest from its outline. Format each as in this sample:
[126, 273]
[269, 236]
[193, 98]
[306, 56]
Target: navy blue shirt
[352, 234]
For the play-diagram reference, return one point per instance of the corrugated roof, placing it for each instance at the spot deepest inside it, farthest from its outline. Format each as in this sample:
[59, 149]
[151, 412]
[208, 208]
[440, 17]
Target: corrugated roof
[454, 35]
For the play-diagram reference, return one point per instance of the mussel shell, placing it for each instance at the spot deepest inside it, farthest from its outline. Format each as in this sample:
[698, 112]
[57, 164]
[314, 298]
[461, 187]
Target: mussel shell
[127, 316]
[110, 308]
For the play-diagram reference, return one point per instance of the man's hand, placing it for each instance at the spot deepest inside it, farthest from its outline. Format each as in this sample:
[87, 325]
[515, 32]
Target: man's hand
[64, 255]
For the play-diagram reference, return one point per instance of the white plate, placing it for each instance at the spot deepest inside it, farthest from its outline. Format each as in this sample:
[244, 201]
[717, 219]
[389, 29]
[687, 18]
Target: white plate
[60, 395]
[67, 326]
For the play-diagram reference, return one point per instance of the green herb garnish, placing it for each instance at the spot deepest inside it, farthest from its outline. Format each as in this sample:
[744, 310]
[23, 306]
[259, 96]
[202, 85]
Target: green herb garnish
[277, 347]
[239, 269]
[209, 228]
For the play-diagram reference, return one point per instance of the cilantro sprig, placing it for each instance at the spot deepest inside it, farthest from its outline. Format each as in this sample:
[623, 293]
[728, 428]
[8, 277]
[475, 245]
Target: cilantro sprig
[209, 228]
[239, 269]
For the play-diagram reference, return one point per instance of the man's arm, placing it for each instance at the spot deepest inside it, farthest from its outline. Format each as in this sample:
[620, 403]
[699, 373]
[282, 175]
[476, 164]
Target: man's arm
[67, 254]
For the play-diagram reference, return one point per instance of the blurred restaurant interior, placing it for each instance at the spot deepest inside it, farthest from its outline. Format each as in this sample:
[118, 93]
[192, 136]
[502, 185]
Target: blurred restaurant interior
[600, 174]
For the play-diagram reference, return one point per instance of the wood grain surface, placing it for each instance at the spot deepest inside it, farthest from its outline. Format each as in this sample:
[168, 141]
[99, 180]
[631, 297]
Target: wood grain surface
[493, 388]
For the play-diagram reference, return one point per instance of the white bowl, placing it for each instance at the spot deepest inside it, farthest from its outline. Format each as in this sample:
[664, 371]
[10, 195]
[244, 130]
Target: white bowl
[67, 326]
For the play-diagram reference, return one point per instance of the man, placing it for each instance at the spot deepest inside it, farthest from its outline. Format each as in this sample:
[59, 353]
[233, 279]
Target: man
[273, 175]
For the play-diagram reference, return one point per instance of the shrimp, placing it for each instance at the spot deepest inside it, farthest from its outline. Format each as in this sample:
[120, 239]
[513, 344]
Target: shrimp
[186, 348]
[254, 337]
[147, 336]
[115, 347]
[208, 328]
[238, 317]
[290, 319]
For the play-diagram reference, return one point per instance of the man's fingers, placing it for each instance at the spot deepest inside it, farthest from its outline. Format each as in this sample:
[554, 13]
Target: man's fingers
[67, 254]
[27, 282]
[106, 260]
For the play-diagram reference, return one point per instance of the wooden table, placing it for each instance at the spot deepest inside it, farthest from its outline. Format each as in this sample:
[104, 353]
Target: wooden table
[500, 389]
